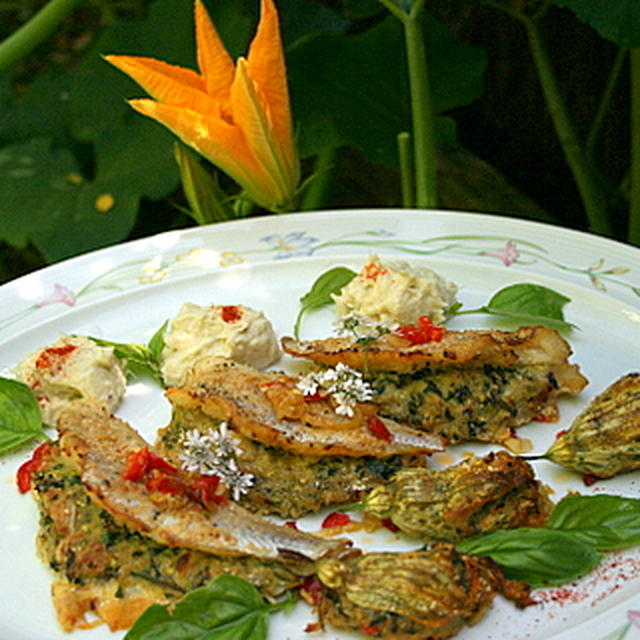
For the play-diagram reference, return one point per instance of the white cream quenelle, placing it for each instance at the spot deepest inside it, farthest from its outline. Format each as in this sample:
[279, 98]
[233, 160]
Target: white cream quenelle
[73, 368]
[394, 292]
[232, 331]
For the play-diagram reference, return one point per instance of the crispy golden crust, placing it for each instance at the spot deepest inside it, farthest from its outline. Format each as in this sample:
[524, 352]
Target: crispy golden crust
[244, 397]
[98, 446]
[475, 496]
[524, 346]
[419, 595]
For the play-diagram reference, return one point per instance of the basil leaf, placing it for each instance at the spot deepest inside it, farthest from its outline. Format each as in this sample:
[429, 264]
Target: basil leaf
[531, 303]
[603, 521]
[328, 283]
[229, 608]
[20, 418]
[538, 556]
[141, 359]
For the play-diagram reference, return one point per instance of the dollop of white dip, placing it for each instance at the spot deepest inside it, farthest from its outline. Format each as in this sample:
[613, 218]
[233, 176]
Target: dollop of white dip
[394, 292]
[232, 331]
[73, 368]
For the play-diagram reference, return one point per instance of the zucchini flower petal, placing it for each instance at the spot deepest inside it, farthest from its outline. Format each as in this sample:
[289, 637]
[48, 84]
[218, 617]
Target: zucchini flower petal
[236, 115]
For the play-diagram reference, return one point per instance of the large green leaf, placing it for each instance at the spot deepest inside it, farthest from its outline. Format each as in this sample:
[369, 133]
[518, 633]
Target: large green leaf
[616, 20]
[354, 89]
[46, 199]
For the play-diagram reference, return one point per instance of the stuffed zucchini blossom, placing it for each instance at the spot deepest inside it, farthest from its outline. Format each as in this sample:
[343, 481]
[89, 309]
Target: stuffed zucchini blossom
[237, 115]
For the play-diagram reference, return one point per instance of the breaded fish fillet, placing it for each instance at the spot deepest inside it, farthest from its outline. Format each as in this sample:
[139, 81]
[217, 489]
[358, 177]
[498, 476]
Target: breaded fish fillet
[268, 408]
[470, 385]
[104, 569]
[98, 446]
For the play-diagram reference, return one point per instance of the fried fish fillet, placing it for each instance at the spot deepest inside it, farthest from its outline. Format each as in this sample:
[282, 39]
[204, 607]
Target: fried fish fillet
[103, 568]
[98, 446]
[301, 456]
[268, 408]
[470, 385]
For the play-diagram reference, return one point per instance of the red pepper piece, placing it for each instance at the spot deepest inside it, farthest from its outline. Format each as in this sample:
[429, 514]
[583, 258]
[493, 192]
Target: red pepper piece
[388, 524]
[336, 519]
[231, 313]
[313, 588]
[165, 483]
[421, 332]
[27, 469]
[378, 429]
[141, 462]
[369, 630]
[207, 488]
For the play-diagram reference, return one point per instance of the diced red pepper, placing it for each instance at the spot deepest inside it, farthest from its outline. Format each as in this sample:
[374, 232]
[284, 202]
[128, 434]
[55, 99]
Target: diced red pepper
[378, 429]
[165, 483]
[231, 313]
[373, 270]
[369, 630]
[421, 332]
[336, 519]
[207, 488]
[141, 462]
[291, 524]
[388, 524]
[313, 588]
[561, 433]
[27, 469]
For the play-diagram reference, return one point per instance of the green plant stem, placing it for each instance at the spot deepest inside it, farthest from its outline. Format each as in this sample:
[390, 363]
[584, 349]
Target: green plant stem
[314, 197]
[605, 103]
[422, 116]
[421, 110]
[593, 197]
[406, 170]
[633, 235]
[31, 34]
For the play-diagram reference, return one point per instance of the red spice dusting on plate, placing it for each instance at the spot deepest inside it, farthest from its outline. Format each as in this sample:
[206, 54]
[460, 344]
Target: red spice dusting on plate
[231, 313]
[53, 357]
[378, 429]
[336, 519]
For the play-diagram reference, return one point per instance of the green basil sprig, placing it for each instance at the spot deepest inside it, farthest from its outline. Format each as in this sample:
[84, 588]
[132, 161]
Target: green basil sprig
[328, 283]
[228, 608]
[540, 557]
[605, 522]
[526, 303]
[20, 418]
[578, 530]
[141, 359]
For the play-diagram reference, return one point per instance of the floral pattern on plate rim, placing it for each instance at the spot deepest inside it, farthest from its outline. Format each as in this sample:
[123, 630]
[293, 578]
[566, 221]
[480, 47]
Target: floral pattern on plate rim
[155, 268]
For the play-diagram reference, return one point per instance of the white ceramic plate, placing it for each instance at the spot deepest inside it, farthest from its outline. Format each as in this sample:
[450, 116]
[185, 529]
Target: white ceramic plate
[125, 293]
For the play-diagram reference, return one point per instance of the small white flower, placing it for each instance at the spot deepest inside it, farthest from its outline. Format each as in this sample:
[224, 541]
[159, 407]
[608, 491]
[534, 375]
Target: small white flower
[214, 454]
[344, 384]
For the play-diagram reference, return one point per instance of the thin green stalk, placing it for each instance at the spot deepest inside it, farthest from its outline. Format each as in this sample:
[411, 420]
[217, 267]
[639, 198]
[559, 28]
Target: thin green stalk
[605, 103]
[31, 34]
[422, 116]
[314, 196]
[593, 197]
[406, 170]
[424, 143]
[634, 194]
